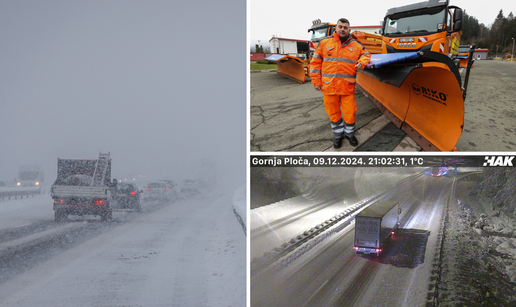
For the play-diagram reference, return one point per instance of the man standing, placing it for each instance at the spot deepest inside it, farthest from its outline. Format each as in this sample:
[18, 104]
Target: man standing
[333, 71]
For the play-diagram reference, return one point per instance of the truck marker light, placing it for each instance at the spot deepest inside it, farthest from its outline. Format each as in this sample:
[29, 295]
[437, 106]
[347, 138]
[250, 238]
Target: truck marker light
[99, 202]
[165, 190]
[61, 201]
[148, 189]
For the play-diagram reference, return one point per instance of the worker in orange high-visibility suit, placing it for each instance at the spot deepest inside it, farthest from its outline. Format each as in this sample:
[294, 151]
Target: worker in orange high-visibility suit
[333, 71]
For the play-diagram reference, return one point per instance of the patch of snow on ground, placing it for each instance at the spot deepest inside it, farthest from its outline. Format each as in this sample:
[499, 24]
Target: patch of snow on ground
[478, 264]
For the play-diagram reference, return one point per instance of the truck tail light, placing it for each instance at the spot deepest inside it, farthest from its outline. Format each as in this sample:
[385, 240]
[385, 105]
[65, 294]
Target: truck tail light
[133, 193]
[100, 202]
[165, 190]
[355, 248]
[378, 250]
[148, 189]
[392, 233]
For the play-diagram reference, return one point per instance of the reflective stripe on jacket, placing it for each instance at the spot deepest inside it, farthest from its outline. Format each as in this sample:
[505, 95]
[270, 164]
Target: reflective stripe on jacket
[333, 65]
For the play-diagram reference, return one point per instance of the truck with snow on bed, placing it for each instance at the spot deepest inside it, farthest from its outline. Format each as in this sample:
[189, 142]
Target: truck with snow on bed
[82, 187]
[375, 225]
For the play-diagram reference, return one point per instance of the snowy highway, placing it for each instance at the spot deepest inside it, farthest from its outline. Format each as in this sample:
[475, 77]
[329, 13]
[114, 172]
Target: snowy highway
[187, 252]
[325, 271]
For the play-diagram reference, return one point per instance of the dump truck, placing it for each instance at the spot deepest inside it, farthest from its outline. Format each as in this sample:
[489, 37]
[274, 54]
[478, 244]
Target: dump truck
[375, 225]
[415, 81]
[83, 187]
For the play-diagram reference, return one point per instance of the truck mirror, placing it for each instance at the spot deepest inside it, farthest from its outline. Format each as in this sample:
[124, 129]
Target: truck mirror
[457, 19]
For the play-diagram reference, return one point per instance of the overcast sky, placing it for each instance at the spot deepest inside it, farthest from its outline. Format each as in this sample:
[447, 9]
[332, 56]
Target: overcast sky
[144, 80]
[289, 19]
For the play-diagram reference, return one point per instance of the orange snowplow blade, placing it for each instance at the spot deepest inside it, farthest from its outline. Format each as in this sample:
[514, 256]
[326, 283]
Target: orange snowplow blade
[464, 62]
[290, 66]
[423, 98]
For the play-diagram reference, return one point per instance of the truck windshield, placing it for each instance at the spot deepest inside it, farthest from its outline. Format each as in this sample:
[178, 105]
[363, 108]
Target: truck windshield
[319, 34]
[415, 22]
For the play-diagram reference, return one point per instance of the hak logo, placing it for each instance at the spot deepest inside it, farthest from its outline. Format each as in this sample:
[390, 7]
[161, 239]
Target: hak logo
[498, 161]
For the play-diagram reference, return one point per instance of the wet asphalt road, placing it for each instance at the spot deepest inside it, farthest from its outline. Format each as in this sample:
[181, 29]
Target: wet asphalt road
[288, 116]
[490, 119]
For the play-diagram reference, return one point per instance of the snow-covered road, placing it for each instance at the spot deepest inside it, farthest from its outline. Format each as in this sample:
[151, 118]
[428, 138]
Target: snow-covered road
[330, 274]
[191, 252]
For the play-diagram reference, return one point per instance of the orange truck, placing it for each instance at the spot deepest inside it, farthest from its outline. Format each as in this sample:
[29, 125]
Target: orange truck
[297, 69]
[416, 81]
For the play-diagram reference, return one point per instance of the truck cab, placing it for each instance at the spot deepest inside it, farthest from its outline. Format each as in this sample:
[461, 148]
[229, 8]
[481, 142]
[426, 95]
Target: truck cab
[432, 25]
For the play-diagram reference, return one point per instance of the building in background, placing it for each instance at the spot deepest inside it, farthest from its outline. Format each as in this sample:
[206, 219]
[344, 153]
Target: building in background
[289, 46]
[481, 54]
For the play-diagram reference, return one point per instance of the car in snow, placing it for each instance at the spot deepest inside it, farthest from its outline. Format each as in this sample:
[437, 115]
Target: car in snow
[127, 196]
[173, 188]
[190, 186]
[156, 191]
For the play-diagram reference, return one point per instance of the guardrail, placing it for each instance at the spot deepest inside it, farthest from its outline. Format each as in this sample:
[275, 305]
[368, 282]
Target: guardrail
[19, 192]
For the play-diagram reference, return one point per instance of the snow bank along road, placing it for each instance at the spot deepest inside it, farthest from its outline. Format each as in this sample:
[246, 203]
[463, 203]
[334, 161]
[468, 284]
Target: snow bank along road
[327, 272]
[190, 252]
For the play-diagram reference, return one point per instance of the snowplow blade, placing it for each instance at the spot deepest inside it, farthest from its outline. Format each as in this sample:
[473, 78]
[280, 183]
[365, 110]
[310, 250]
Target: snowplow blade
[421, 93]
[290, 66]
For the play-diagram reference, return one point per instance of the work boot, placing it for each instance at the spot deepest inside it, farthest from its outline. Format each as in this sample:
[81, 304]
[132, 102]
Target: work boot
[337, 143]
[352, 140]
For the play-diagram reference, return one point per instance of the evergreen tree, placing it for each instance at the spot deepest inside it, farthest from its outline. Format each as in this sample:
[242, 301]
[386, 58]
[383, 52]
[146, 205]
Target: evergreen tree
[500, 15]
[470, 29]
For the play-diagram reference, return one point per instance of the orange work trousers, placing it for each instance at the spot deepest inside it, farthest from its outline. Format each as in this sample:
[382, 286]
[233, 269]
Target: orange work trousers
[335, 103]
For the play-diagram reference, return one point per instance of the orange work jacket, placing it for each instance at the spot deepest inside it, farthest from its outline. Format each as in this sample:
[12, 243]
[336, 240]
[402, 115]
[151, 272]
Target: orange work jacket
[333, 65]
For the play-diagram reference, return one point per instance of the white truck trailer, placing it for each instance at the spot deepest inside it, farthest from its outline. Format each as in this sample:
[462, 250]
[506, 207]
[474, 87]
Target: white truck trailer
[82, 187]
[374, 226]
